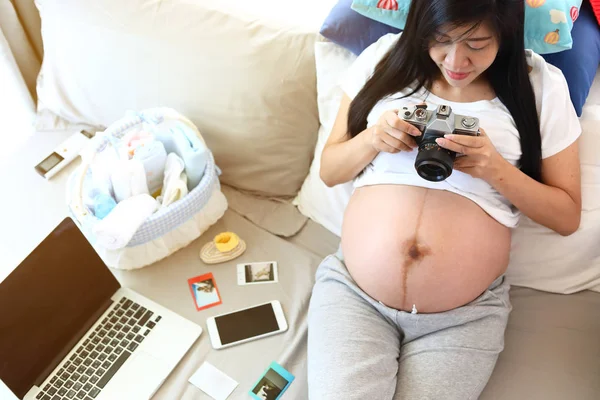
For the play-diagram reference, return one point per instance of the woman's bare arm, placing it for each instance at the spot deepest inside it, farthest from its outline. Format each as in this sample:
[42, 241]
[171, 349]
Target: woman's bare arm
[344, 158]
[556, 203]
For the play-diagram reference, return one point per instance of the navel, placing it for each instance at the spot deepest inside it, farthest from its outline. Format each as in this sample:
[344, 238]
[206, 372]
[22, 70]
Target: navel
[414, 252]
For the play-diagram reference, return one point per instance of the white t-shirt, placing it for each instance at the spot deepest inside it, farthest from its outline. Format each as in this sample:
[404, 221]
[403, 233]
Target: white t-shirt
[559, 128]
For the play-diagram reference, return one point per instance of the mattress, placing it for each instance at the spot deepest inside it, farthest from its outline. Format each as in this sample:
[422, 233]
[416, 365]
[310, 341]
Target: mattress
[552, 349]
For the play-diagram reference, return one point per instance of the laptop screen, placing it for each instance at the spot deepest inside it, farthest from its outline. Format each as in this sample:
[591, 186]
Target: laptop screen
[48, 303]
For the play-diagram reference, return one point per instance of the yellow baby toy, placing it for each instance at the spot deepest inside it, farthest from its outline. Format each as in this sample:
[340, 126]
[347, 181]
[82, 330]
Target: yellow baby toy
[224, 247]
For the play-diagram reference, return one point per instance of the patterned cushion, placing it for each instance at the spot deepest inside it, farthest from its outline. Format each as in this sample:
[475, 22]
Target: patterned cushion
[579, 65]
[548, 23]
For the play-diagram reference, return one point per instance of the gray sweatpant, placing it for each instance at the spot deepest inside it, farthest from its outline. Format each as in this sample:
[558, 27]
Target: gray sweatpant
[360, 349]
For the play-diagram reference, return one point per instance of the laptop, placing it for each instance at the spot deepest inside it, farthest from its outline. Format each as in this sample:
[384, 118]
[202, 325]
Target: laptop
[68, 330]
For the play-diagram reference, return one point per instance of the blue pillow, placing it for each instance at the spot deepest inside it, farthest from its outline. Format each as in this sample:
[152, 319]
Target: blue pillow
[579, 65]
[349, 29]
[548, 23]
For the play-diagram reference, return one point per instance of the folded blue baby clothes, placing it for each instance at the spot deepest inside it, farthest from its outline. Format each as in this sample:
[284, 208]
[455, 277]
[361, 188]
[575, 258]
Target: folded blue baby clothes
[183, 141]
[103, 205]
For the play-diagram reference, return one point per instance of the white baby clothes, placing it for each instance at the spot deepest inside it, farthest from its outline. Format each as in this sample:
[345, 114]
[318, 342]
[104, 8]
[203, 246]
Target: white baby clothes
[175, 182]
[128, 179]
[119, 226]
[133, 140]
[154, 157]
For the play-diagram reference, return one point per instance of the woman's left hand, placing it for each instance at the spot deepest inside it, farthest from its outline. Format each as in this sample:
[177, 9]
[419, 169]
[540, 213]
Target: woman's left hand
[480, 159]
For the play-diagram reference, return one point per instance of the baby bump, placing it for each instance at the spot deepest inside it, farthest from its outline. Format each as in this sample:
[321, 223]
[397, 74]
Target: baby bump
[434, 249]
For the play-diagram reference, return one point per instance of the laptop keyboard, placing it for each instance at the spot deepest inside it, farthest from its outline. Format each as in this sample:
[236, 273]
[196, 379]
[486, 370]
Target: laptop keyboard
[99, 357]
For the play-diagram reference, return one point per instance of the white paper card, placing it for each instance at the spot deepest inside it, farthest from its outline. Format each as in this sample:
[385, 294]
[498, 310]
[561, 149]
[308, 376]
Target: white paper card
[213, 382]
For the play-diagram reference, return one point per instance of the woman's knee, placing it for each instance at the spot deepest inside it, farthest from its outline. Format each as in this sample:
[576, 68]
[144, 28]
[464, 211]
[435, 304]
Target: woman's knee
[449, 374]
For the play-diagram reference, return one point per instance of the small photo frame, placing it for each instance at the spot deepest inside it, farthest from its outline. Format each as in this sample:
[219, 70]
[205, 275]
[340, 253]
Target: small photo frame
[257, 273]
[204, 291]
[273, 382]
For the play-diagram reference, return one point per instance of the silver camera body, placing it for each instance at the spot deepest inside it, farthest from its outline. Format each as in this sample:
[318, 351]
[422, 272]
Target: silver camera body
[433, 162]
[442, 121]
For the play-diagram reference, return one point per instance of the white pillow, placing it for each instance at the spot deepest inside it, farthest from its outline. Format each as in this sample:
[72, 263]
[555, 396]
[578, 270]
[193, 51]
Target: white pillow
[544, 260]
[540, 258]
[244, 77]
[315, 200]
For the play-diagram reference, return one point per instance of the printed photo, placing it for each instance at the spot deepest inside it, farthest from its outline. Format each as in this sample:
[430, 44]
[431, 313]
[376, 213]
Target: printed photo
[204, 291]
[260, 272]
[270, 386]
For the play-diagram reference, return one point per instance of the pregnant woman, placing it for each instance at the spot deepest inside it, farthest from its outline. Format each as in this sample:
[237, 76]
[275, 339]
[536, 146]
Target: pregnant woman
[414, 304]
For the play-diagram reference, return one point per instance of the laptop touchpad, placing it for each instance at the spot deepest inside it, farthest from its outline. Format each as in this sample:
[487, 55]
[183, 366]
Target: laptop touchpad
[139, 378]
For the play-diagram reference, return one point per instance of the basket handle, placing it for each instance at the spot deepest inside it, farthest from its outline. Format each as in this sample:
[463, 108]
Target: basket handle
[77, 208]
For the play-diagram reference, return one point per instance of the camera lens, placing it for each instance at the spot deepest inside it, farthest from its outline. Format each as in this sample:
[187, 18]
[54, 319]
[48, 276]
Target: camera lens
[433, 171]
[434, 163]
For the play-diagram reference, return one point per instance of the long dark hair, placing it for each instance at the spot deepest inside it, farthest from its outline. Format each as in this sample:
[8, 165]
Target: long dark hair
[408, 63]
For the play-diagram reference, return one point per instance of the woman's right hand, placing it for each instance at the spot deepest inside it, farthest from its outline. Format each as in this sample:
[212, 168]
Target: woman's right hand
[391, 134]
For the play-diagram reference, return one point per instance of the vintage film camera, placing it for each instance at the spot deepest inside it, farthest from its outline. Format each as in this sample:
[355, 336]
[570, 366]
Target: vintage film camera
[433, 162]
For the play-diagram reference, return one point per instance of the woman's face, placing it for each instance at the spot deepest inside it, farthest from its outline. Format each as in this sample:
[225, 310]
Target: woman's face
[461, 57]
